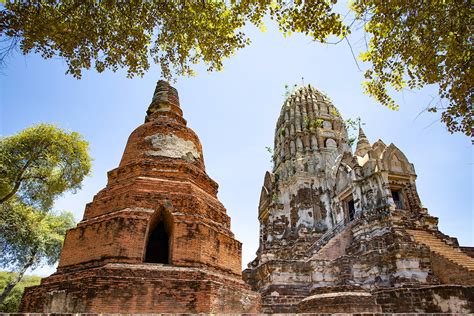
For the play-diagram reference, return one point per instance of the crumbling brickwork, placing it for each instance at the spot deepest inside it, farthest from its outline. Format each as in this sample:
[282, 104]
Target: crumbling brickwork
[338, 228]
[138, 287]
[156, 238]
[427, 299]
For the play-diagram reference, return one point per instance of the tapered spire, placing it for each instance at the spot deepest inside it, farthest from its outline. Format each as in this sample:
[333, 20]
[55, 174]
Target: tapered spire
[363, 145]
[165, 99]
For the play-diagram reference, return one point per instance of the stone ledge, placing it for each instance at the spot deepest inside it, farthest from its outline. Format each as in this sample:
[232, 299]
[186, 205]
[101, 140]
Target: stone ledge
[139, 289]
[224, 314]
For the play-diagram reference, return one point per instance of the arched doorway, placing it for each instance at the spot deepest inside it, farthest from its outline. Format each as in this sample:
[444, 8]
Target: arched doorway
[157, 249]
[159, 239]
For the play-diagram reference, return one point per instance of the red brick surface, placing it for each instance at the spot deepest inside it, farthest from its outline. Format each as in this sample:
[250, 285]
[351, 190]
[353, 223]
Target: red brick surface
[144, 190]
[146, 288]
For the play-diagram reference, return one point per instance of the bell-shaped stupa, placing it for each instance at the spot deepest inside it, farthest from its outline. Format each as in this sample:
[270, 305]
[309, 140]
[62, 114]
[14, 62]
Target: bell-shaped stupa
[156, 239]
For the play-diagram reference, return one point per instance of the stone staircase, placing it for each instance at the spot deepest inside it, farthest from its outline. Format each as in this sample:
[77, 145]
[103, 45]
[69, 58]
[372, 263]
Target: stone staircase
[335, 247]
[441, 248]
[324, 239]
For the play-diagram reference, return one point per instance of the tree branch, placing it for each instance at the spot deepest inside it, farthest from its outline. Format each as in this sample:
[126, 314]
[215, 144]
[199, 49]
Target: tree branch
[18, 181]
[352, 52]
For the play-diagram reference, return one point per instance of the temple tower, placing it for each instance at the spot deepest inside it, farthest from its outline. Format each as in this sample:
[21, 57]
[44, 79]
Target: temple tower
[156, 239]
[295, 206]
[344, 232]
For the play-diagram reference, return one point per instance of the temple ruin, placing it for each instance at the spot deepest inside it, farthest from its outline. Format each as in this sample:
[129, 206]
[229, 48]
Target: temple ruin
[346, 232]
[339, 231]
[156, 239]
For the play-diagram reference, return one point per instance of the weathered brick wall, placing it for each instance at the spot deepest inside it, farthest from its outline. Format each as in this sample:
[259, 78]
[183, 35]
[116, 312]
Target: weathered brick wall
[141, 289]
[122, 238]
[138, 144]
[146, 192]
[430, 299]
[376, 253]
[201, 228]
[336, 247]
[281, 298]
[118, 238]
[225, 299]
[449, 272]
[199, 244]
[382, 255]
[339, 303]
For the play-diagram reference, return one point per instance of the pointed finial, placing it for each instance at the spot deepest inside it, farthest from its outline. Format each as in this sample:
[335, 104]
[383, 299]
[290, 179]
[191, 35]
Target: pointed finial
[165, 99]
[302, 80]
[361, 133]
[363, 145]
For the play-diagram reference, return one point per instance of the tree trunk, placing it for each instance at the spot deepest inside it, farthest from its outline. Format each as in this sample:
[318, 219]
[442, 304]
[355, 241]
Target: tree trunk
[17, 183]
[11, 285]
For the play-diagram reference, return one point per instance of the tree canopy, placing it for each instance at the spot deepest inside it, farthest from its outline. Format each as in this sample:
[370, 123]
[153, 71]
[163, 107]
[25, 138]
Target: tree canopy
[40, 163]
[417, 43]
[36, 166]
[124, 34]
[29, 238]
[410, 43]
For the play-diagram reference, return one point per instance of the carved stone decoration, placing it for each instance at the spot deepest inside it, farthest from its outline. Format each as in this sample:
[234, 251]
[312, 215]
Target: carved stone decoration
[346, 232]
[331, 143]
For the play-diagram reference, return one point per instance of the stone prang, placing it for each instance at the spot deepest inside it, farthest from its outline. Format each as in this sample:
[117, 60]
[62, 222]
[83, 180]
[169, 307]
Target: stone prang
[344, 232]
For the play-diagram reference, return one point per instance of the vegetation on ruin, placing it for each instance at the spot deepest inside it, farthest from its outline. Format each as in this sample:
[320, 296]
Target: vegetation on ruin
[352, 126]
[408, 44]
[36, 166]
[282, 131]
[272, 155]
[312, 124]
[289, 90]
[12, 302]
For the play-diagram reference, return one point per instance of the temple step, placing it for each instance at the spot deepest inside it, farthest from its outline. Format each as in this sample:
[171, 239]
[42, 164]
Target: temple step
[439, 247]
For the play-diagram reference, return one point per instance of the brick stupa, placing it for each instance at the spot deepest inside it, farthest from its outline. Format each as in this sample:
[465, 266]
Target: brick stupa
[156, 239]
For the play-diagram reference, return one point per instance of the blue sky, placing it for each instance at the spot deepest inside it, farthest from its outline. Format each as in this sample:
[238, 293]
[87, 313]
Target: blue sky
[234, 113]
